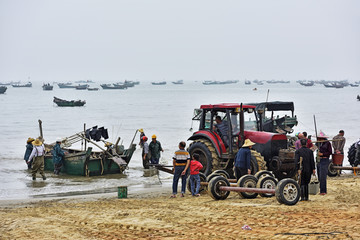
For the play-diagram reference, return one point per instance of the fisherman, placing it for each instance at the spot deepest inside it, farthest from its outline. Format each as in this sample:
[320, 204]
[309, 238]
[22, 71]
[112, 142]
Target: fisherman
[58, 157]
[222, 127]
[322, 160]
[37, 153]
[242, 160]
[305, 167]
[142, 134]
[29, 148]
[339, 142]
[297, 143]
[181, 162]
[155, 148]
[145, 152]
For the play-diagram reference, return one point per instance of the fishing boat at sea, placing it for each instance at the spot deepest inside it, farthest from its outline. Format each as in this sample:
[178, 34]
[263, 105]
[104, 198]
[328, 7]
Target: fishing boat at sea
[307, 83]
[47, 87]
[178, 82]
[18, 85]
[2, 89]
[113, 86]
[113, 158]
[65, 103]
[334, 85]
[81, 87]
[158, 83]
[66, 85]
[93, 89]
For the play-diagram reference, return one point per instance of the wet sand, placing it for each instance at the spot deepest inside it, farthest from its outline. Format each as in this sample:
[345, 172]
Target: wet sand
[151, 214]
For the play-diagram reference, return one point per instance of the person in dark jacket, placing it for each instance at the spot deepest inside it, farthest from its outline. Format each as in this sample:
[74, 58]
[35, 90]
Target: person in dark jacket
[304, 158]
[29, 148]
[324, 152]
[154, 149]
[242, 159]
[58, 155]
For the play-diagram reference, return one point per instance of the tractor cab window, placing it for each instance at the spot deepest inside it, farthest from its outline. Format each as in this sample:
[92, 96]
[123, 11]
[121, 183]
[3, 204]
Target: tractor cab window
[207, 120]
[250, 120]
[235, 123]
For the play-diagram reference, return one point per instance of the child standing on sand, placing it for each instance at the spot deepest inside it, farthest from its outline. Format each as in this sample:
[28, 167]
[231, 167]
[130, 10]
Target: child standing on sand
[195, 167]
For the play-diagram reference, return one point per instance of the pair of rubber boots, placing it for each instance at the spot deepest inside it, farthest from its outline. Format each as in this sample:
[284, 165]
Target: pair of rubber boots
[304, 193]
[43, 177]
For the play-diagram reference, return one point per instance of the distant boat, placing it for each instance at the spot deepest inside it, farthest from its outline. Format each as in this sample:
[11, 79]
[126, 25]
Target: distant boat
[85, 81]
[247, 82]
[64, 103]
[354, 85]
[29, 84]
[334, 85]
[136, 82]
[66, 85]
[209, 82]
[93, 89]
[158, 83]
[82, 87]
[178, 82]
[113, 86]
[358, 97]
[307, 83]
[47, 87]
[2, 89]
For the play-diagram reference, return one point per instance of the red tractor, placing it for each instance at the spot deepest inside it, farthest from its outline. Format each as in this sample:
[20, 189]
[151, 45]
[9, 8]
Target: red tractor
[217, 146]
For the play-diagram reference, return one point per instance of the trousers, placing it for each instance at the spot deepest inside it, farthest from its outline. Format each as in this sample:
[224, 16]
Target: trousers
[322, 169]
[38, 165]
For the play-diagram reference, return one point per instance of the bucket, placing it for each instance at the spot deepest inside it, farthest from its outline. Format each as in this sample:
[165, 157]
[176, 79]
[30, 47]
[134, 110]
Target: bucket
[314, 188]
[122, 192]
[337, 159]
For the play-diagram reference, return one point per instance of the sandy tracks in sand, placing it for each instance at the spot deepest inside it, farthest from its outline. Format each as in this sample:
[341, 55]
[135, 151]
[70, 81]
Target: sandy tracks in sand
[334, 216]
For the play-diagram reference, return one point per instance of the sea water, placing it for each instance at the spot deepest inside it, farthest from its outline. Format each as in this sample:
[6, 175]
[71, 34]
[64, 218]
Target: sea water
[164, 110]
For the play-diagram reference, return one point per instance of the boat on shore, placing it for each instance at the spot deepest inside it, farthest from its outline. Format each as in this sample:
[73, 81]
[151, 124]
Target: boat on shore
[29, 84]
[158, 83]
[64, 103]
[2, 89]
[47, 87]
[112, 159]
[113, 86]
[66, 85]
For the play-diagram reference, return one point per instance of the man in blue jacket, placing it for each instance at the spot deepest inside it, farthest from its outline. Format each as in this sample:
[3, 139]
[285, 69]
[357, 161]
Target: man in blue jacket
[242, 159]
[58, 155]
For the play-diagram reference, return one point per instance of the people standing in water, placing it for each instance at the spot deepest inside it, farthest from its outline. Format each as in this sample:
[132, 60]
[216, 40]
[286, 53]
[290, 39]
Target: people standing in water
[155, 148]
[142, 134]
[145, 152]
[37, 153]
[304, 158]
[181, 162]
[323, 155]
[339, 142]
[58, 157]
[29, 148]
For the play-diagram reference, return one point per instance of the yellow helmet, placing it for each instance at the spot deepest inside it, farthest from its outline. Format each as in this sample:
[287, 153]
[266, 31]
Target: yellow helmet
[153, 136]
[108, 144]
[141, 130]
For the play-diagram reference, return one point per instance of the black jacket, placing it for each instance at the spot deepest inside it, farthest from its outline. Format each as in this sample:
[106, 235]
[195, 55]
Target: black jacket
[308, 163]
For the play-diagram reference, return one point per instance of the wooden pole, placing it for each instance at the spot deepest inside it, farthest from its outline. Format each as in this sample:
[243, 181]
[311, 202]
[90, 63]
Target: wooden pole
[40, 127]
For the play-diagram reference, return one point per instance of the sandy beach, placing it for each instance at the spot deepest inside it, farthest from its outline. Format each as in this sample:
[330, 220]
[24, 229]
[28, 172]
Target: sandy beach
[151, 214]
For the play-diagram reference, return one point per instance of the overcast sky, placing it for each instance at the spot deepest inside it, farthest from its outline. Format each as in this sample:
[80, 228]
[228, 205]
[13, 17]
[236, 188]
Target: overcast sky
[113, 40]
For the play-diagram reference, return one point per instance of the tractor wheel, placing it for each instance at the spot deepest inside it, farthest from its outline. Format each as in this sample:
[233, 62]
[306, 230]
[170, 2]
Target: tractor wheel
[247, 181]
[257, 162]
[223, 173]
[263, 173]
[208, 157]
[268, 182]
[215, 184]
[202, 179]
[287, 191]
[351, 155]
[211, 176]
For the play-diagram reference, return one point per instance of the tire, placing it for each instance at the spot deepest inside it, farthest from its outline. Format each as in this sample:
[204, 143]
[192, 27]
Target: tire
[331, 171]
[287, 191]
[263, 173]
[352, 154]
[211, 176]
[223, 173]
[257, 162]
[268, 182]
[247, 181]
[202, 179]
[207, 153]
[213, 188]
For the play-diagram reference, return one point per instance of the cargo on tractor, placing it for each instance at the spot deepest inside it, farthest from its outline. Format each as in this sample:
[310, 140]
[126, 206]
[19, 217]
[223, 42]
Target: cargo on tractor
[239, 122]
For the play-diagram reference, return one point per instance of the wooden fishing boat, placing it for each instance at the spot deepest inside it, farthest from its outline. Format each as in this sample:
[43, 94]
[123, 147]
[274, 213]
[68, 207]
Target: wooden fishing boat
[113, 86]
[93, 89]
[158, 83]
[64, 103]
[82, 87]
[66, 85]
[47, 87]
[2, 89]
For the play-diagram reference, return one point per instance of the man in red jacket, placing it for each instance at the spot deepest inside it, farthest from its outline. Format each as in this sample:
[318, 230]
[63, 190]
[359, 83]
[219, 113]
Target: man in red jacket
[195, 167]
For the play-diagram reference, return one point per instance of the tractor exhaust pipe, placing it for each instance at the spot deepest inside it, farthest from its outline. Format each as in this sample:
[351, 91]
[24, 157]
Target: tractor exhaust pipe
[242, 125]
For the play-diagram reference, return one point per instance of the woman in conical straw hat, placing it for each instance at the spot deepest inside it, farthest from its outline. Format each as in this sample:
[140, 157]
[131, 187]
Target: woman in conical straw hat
[324, 153]
[242, 159]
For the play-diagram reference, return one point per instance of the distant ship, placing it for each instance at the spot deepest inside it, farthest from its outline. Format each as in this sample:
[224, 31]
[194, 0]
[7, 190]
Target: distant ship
[178, 82]
[66, 85]
[29, 84]
[158, 83]
[47, 87]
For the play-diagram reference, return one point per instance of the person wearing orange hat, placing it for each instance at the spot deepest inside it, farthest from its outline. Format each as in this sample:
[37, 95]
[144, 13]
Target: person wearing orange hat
[323, 160]
[145, 152]
[155, 148]
[29, 148]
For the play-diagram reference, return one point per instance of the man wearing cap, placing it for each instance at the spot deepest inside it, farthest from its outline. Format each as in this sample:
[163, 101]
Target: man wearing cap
[242, 159]
[58, 155]
[37, 153]
[323, 156]
[155, 148]
[29, 148]
[145, 152]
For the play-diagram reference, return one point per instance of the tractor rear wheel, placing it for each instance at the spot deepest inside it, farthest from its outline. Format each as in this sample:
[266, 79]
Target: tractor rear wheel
[351, 155]
[257, 162]
[207, 155]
